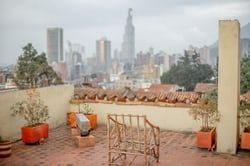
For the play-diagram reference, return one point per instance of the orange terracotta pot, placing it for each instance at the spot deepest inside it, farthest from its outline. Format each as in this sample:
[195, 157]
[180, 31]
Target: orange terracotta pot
[5, 149]
[72, 119]
[206, 139]
[45, 129]
[93, 120]
[35, 134]
[68, 117]
[245, 140]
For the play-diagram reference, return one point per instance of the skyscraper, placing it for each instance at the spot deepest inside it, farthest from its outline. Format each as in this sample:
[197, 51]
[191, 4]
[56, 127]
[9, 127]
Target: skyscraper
[54, 45]
[205, 55]
[128, 44]
[103, 54]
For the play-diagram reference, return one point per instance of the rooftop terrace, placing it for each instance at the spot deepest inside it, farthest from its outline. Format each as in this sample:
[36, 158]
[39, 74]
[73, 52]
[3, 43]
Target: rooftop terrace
[177, 148]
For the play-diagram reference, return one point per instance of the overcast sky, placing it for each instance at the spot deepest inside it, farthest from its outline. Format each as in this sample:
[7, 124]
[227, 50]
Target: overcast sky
[168, 25]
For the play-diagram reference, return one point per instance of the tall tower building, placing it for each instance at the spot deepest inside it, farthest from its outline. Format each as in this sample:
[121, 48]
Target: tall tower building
[54, 45]
[166, 63]
[205, 55]
[128, 44]
[103, 54]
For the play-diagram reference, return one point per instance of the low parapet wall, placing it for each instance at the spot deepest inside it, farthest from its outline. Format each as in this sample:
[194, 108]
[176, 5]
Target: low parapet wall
[169, 118]
[57, 99]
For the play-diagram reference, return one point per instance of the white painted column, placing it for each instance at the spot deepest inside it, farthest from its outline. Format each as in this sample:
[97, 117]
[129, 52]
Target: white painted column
[228, 86]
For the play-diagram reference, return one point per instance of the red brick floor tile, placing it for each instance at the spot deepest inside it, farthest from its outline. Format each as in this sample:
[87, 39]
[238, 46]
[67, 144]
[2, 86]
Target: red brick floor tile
[176, 149]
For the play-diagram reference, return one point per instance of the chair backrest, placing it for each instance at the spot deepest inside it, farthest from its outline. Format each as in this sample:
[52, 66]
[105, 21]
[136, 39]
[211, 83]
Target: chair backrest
[133, 129]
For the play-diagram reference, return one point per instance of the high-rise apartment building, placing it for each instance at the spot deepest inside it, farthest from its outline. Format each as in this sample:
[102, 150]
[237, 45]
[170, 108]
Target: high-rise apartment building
[128, 44]
[54, 45]
[205, 55]
[103, 54]
[166, 63]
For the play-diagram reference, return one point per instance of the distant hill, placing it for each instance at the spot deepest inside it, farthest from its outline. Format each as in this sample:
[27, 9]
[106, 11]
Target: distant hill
[244, 36]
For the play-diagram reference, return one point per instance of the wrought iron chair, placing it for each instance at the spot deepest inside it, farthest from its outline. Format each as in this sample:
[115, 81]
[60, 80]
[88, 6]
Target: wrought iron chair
[132, 135]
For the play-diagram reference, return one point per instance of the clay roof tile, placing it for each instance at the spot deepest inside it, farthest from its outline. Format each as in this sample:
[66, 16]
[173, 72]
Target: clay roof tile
[205, 87]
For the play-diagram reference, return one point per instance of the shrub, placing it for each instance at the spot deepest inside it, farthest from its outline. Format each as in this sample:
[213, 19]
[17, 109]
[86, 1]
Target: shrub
[31, 109]
[206, 110]
[87, 109]
[245, 114]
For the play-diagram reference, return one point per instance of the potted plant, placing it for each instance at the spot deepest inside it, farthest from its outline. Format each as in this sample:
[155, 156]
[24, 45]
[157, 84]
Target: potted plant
[5, 148]
[206, 111]
[35, 113]
[71, 119]
[88, 112]
[71, 115]
[245, 123]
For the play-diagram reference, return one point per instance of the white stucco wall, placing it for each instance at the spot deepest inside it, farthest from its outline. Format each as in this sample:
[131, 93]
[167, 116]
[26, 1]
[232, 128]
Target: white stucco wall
[169, 118]
[55, 97]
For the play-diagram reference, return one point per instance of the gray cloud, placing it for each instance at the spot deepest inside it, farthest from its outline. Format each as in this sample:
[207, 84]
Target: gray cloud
[164, 24]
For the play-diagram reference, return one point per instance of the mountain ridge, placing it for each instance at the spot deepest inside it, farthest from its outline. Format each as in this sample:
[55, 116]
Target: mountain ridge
[244, 34]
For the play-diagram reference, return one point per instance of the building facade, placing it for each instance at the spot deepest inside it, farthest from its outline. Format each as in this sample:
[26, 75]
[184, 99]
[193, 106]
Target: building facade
[205, 55]
[103, 54]
[54, 45]
[132, 83]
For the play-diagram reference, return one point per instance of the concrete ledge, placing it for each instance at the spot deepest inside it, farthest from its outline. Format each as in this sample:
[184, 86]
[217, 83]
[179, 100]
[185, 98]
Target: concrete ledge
[82, 142]
[74, 132]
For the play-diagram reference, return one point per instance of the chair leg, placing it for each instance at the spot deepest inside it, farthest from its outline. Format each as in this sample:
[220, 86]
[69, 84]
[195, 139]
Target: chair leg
[158, 154]
[146, 160]
[109, 158]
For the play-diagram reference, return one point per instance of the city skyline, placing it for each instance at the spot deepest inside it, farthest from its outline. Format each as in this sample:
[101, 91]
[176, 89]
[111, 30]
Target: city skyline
[164, 25]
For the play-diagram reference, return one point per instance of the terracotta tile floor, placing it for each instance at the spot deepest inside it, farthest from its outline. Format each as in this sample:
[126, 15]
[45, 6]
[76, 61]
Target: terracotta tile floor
[59, 150]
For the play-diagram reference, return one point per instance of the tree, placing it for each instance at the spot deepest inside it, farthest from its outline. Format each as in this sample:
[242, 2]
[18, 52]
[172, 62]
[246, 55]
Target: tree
[245, 74]
[188, 72]
[32, 70]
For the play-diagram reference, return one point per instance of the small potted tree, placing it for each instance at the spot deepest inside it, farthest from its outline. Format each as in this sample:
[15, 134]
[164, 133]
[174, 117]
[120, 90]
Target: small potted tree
[88, 112]
[5, 148]
[35, 113]
[245, 123]
[206, 111]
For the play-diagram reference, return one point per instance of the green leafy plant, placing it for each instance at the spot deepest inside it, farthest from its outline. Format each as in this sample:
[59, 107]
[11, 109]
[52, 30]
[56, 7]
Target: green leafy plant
[2, 140]
[87, 109]
[245, 74]
[5, 140]
[245, 114]
[31, 109]
[206, 110]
